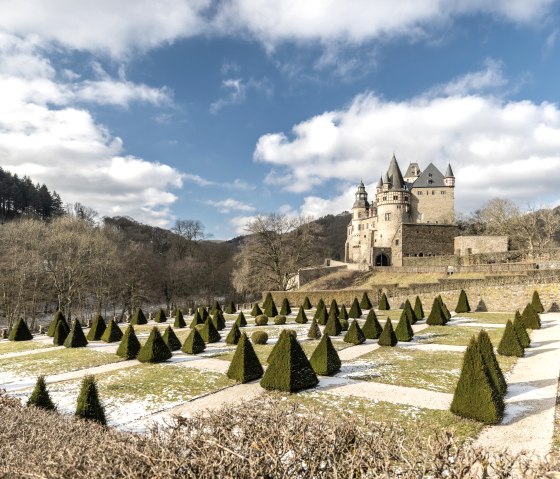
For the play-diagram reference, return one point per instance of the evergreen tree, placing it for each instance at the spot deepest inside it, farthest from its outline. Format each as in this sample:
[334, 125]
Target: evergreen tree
[129, 346]
[475, 396]
[343, 313]
[241, 321]
[194, 343]
[531, 318]
[171, 339]
[344, 324]
[436, 317]
[155, 349]
[285, 310]
[256, 311]
[276, 348]
[301, 317]
[320, 306]
[58, 316]
[179, 320]
[520, 330]
[215, 308]
[267, 300]
[314, 330]
[160, 316]
[372, 329]
[321, 316]
[234, 335]
[61, 333]
[444, 309]
[97, 329]
[76, 337]
[209, 333]
[354, 335]
[487, 351]
[463, 303]
[510, 344]
[139, 317]
[403, 331]
[365, 303]
[20, 331]
[230, 308]
[418, 309]
[289, 371]
[325, 360]
[334, 308]
[113, 333]
[384, 303]
[40, 396]
[333, 327]
[89, 406]
[204, 314]
[197, 319]
[536, 302]
[388, 336]
[307, 304]
[409, 313]
[245, 365]
[355, 310]
[219, 320]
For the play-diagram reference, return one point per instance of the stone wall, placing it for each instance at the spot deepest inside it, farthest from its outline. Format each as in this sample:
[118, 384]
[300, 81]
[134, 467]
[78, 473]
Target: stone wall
[421, 240]
[306, 275]
[434, 205]
[467, 245]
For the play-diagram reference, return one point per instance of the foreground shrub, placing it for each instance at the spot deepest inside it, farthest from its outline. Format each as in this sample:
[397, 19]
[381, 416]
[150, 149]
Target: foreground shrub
[320, 306]
[40, 396]
[129, 346]
[155, 350]
[209, 333]
[536, 302]
[307, 304]
[270, 310]
[355, 310]
[160, 316]
[139, 317]
[371, 328]
[256, 311]
[437, 316]
[463, 303]
[58, 316]
[219, 320]
[285, 310]
[61, 333]
[241, 321]
[333, 326]
[325, 360]
[388, 336]
[76, 337]
[171, 339]
[194, 343]
[343, 313]
[333, 309]
[233, 335]
[230, 308]
[409, 313]
[280, 319]
[261, 320]
[197, 319]
[275, 348]
[418, 309]
[113, 333]
[520, 330]
[301, 317]
[314, 330]
[20, 331]
[487, 351]
[510, 344]
[322, 316]
[444, 309]
[97, 329]
[259, 337]
[344, 325]
[403, 331]
[88, 406]
[531, 318]
[365, 303]
[245, 365]
[179, 320]
[267, 300]
[384, 303]
[215, 308]
[354, 335]
[204, 314]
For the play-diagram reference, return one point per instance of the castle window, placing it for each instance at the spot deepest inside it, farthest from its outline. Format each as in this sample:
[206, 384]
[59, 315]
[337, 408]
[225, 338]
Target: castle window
[387, 216]
[398, 207]
[397, 242]
[430, 182]
[433, 192]
[419, 193]
[384, 198]
[395, 197]
[442, 192]
[430, 175]
[406, 198]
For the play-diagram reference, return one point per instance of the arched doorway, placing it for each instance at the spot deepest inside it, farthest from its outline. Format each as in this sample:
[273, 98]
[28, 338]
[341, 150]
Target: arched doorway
[381, 260]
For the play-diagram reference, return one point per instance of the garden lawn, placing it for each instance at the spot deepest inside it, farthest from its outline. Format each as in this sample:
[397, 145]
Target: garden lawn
[20, 346]
[456, 335]
[498, 318]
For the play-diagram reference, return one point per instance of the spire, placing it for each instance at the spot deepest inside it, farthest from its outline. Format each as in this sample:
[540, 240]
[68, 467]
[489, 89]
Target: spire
[380, 182]
[395, 175]
[386, 180]
[449, 171]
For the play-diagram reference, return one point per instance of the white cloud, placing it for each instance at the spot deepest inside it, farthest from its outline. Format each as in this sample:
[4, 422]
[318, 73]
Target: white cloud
[497, 148]
[237, 89]
[230, 204]
[239, 223]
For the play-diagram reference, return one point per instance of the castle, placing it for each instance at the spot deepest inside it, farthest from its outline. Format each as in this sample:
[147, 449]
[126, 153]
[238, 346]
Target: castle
[412, 215]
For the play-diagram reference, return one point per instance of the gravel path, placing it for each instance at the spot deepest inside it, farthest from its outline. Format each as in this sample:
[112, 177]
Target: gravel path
[531, 398]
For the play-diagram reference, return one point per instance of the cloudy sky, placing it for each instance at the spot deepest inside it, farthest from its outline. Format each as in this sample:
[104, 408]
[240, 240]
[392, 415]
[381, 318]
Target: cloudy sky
[219, 109]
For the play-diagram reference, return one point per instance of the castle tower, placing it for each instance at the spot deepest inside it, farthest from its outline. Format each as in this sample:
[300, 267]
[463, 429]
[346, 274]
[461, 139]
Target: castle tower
[449, 179]
[361, 205]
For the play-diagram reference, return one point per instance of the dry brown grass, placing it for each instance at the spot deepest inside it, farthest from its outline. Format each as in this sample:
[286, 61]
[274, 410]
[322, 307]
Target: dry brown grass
[267, 438]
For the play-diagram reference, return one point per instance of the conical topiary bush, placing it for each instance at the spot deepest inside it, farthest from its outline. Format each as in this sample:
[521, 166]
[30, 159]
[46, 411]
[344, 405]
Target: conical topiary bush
[487, 351]
[60, 333]
[219, 320]
[241, 321]
[463, 305]
[321, 316]
[536, 302]
[129, 346]
[160, 316]
[475, 396]
[285, 309]
[97, 329]
[155, 350]
[194, 343]
[197, 319]
[234, 335]
[40, 396]
[510, 344]
[343, 313]
[113, 333]
[314, 330]
[256, 311]
[325, 360]
[204, 314]
[384, 303]
[403, 331]
[307, 304]
[215, 308]
[276, 347]
[179, 320]
[355, 310]
[436, 316]
[76, 337]
[209, 333]
[20, 331]
[365, 303]
[89, 406]
[333, 327]
[418, 309]
[289, 370]
[371, 328]
[531, 318]
[245, 365]
[409, 313]
[520, 330]
[139, 317]
[58, 316]
[388, 336]
[171, 339]
[230, 308]
[444, 309]
[333, 309]
[267, 300]
[301, 317]
[354, 335]
[320, 307]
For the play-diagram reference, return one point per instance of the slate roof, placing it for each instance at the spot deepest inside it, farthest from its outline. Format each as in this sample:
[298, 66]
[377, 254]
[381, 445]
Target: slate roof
[395, 175]
[431, 177]
[449, 171]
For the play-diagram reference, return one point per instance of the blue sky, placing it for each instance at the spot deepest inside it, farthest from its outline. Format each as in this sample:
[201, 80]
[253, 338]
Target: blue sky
[219, 110]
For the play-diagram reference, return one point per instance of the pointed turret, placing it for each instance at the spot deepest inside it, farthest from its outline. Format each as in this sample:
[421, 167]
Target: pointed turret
[361, 205]
[395, 175]
[449, 179]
